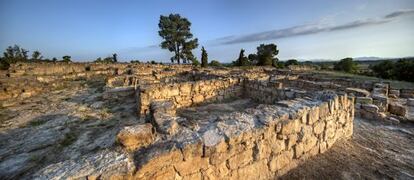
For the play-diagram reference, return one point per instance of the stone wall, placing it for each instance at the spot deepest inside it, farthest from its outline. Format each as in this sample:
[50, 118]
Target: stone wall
[267, 92]
[188, 93]
[263, 143]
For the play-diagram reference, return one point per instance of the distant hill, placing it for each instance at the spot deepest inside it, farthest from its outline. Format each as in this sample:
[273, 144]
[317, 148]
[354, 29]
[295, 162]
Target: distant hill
[361, 60]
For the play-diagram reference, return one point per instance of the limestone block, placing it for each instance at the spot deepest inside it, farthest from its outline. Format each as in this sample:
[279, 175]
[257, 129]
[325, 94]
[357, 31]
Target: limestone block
[192, 166]
[290, 127]
[323, 147]
[358, 92]
[305, 133]
[241, 159]
[263, 149]
[135, 137]
[256, 170]
[363, 100]
[280, 161]
[298, 149]
[397, 109]
[410, 102]
[407, 93]
[198, 98]
[165, 123]
[323, 110]
[291, 141]
[313, 115]
[185, 89]
[277, 145]
[395, 92]
[174, 91]
[309, 143]
[319, 127]
[370, 108]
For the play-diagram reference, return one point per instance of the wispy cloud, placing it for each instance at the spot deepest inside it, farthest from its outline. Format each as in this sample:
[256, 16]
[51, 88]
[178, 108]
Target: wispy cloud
[307, 29]
[400, 13]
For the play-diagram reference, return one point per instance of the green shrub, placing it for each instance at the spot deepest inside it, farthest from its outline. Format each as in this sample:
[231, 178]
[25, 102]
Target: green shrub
[215, 63]
[346, 65]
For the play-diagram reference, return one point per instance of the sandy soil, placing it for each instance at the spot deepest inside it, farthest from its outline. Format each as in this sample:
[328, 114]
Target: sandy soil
[376, 151]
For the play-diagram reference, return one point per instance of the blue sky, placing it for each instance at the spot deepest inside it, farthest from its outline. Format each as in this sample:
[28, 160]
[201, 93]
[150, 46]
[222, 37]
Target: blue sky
[307, 29]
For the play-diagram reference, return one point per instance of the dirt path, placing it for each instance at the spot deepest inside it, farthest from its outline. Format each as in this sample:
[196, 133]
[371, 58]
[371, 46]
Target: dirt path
[376, 151]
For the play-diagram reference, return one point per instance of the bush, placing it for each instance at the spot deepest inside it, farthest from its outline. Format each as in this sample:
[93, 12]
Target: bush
[4, 65]
[196, 62]
[385, 69]
[346, 65]
[404, 70]
[215, 63]
[401, 70]
[291, 62]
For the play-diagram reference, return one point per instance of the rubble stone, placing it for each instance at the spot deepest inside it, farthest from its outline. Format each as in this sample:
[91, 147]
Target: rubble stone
[135, 137]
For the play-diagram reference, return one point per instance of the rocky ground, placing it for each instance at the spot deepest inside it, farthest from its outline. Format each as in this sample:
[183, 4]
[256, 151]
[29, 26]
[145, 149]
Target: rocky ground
[74, 127]
[376, 151]
[69, 124]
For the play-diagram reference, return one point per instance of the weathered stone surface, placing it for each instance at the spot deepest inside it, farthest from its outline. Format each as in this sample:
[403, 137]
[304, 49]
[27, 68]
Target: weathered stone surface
[410, 102]
[370, 108]
[285, 127]
[105, 164]
[280, 161]
[135, 137]
[165, 123]
[397, 109]
[319, 127]
[290, 127]
[363, 100]
[358, 92]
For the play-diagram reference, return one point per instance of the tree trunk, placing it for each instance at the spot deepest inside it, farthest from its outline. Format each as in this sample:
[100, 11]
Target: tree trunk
[178, 53]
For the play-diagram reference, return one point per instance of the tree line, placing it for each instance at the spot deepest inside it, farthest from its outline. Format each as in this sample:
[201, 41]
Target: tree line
[14, 54]
[402, 70]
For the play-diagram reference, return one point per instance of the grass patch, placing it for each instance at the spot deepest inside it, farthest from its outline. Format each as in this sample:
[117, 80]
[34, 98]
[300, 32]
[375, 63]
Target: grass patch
[69, 139]
[36, 158]
[36, 123]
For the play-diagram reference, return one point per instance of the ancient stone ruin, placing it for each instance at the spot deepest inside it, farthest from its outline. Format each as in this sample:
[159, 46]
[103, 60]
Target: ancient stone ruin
[214, 123]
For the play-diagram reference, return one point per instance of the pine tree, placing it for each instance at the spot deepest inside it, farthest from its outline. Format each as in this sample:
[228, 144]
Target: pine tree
[266, 53]
[242, 60]
[175, 30]
[204, 57]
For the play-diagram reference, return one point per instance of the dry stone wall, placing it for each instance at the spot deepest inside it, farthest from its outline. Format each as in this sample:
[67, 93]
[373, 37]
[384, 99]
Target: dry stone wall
[188, 93]
[268, 92]
[259, 143]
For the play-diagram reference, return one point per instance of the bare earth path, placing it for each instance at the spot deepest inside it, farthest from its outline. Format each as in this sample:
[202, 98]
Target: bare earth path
[376, 151]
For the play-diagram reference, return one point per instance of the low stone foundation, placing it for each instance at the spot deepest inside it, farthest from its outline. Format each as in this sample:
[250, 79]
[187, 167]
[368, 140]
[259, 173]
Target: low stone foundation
[188, 93]
[258, 143]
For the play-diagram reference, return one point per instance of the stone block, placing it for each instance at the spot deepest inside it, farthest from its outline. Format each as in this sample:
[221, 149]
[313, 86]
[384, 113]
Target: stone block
[135, 137]
[280, 161]
[313, 115]
[165, 123]
[290, 127]
[319, 127]
[192, 166]
[298, 150]
[363, 100]
[370, 108]
[397, 109]
[410, 102]
[198, 98]
[241, 159]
